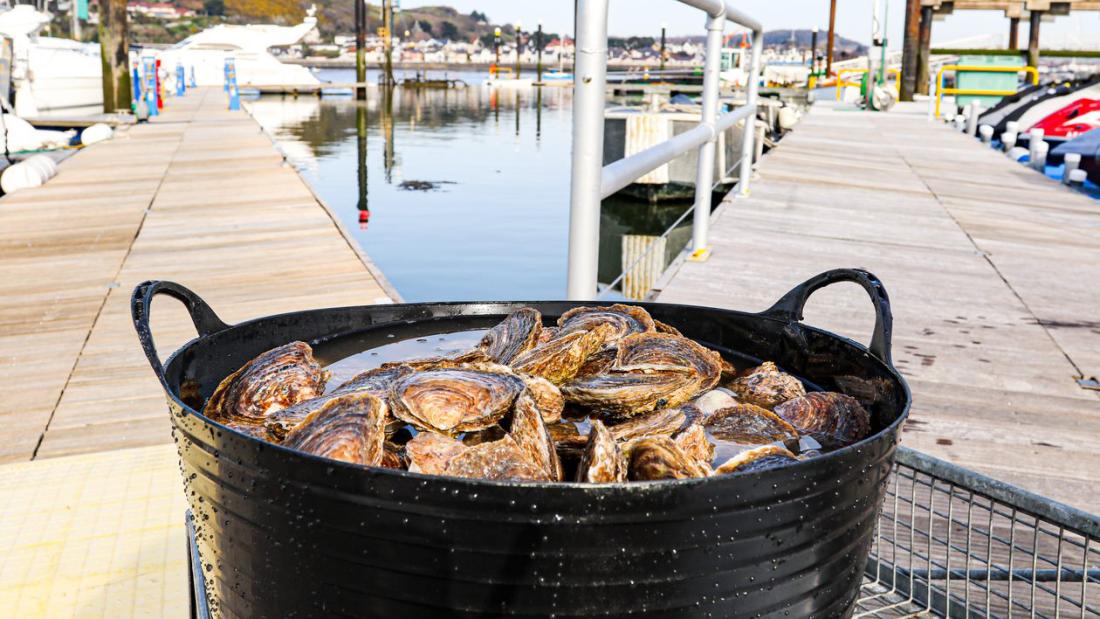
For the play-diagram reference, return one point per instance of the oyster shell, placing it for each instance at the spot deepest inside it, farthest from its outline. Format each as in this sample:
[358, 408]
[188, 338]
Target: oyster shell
[517, 334]
[393, 457]
[749, 424]
[274, 380]
[454, 400]
[547, 396]
[501, 460]
[530, 433]
[758, 459]
[473, 359]
[626, 394]
[599, 362]
[376, 381]
[662, 327]
[833, 419]
[651, 371]
[559, 359]
[349, 427]
[766, 386]
[702, 407]
[602, 461]
[429, 452]
[249, 428]
[622, 321]
[660, 458]
[547, 334]
[694, 443]
[664, 422]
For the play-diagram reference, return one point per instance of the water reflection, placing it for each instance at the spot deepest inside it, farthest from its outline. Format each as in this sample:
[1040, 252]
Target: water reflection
[474, 204]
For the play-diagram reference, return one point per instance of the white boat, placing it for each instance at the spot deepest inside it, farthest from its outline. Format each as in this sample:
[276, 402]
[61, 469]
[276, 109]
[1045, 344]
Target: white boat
[50, 75]
[249, 46]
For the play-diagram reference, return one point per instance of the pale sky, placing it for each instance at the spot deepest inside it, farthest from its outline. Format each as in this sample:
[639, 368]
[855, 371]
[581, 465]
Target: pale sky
[644, 17]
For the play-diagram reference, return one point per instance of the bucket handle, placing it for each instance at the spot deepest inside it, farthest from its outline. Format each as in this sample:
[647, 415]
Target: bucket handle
[789, 307]
[205, 320]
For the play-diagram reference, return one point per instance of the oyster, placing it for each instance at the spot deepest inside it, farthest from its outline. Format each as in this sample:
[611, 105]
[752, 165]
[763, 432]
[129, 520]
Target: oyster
[758, 459]
[488, 435]
[602, 461]
[627, 394]
[666, 328]
[559, 359]
[622, 321]
[348, 427]
[547, 334]
[833, 419]
[766, 386]
[661, 351]
[278, 378]
[749, 424]
[547, 396]
[501, 460]
[650, 371]
[393, 457]
[665, 422]
[517, 334]
[249, 428]
[473, 359]
[429, 452]
[530, 433]
[454, 400]
[702, 407]
[376, 381]
[660, 458]
[694, 443]
[599, 362]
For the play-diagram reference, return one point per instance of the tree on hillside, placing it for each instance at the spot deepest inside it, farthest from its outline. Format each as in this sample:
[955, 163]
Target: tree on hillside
[478, 16]
[425, 26]
[280, 11]
[448, 30]
[214, 7]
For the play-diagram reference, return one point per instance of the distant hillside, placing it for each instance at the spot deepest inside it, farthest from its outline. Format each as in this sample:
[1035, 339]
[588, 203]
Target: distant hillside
[802, 39]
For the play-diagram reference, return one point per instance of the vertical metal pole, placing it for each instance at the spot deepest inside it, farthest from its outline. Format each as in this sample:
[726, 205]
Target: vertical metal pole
[747, 147]
[704, 174]
[832, 33]
[589, 82]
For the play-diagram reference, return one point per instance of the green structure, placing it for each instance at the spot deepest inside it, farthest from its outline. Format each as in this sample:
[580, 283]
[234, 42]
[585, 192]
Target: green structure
[977, 80]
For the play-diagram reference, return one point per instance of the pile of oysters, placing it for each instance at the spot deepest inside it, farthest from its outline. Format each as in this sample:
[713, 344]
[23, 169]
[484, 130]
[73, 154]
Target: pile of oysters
[607, 395]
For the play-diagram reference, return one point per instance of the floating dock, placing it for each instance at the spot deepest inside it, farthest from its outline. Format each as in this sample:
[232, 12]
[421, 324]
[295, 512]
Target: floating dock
[992, 269]
[199, 196]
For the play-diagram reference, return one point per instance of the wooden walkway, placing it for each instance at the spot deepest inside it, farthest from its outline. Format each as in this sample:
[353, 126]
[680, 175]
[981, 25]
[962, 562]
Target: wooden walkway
[199, 196]
[993, 271]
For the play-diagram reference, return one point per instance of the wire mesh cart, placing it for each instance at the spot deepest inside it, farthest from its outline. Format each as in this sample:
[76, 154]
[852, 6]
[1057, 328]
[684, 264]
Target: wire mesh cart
[951, 543]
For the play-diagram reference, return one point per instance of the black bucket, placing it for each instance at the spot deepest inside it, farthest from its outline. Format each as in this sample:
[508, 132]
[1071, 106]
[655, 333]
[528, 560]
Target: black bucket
[283, 533]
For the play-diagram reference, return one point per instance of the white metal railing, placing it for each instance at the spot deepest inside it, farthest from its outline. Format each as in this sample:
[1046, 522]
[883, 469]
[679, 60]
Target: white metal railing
[592, 181]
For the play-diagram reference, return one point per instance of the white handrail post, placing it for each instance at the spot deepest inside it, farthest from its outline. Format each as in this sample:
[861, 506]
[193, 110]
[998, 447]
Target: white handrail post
[704, 175]
[747, 148]
[589, 83]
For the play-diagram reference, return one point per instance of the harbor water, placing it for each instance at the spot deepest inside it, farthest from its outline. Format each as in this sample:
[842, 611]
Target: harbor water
[461, 193]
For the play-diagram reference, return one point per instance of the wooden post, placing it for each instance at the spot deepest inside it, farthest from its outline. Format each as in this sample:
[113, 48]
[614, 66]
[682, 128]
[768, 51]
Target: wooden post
[924, 49]
[829, 43]
[387, 43]
[1033, 39]
[909, 51]
[360, 49]
[538, 46]
[114, 48]
[1014, 33]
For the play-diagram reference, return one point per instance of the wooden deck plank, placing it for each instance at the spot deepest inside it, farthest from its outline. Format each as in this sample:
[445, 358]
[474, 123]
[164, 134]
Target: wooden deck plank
[991, 268]
[201, 196]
